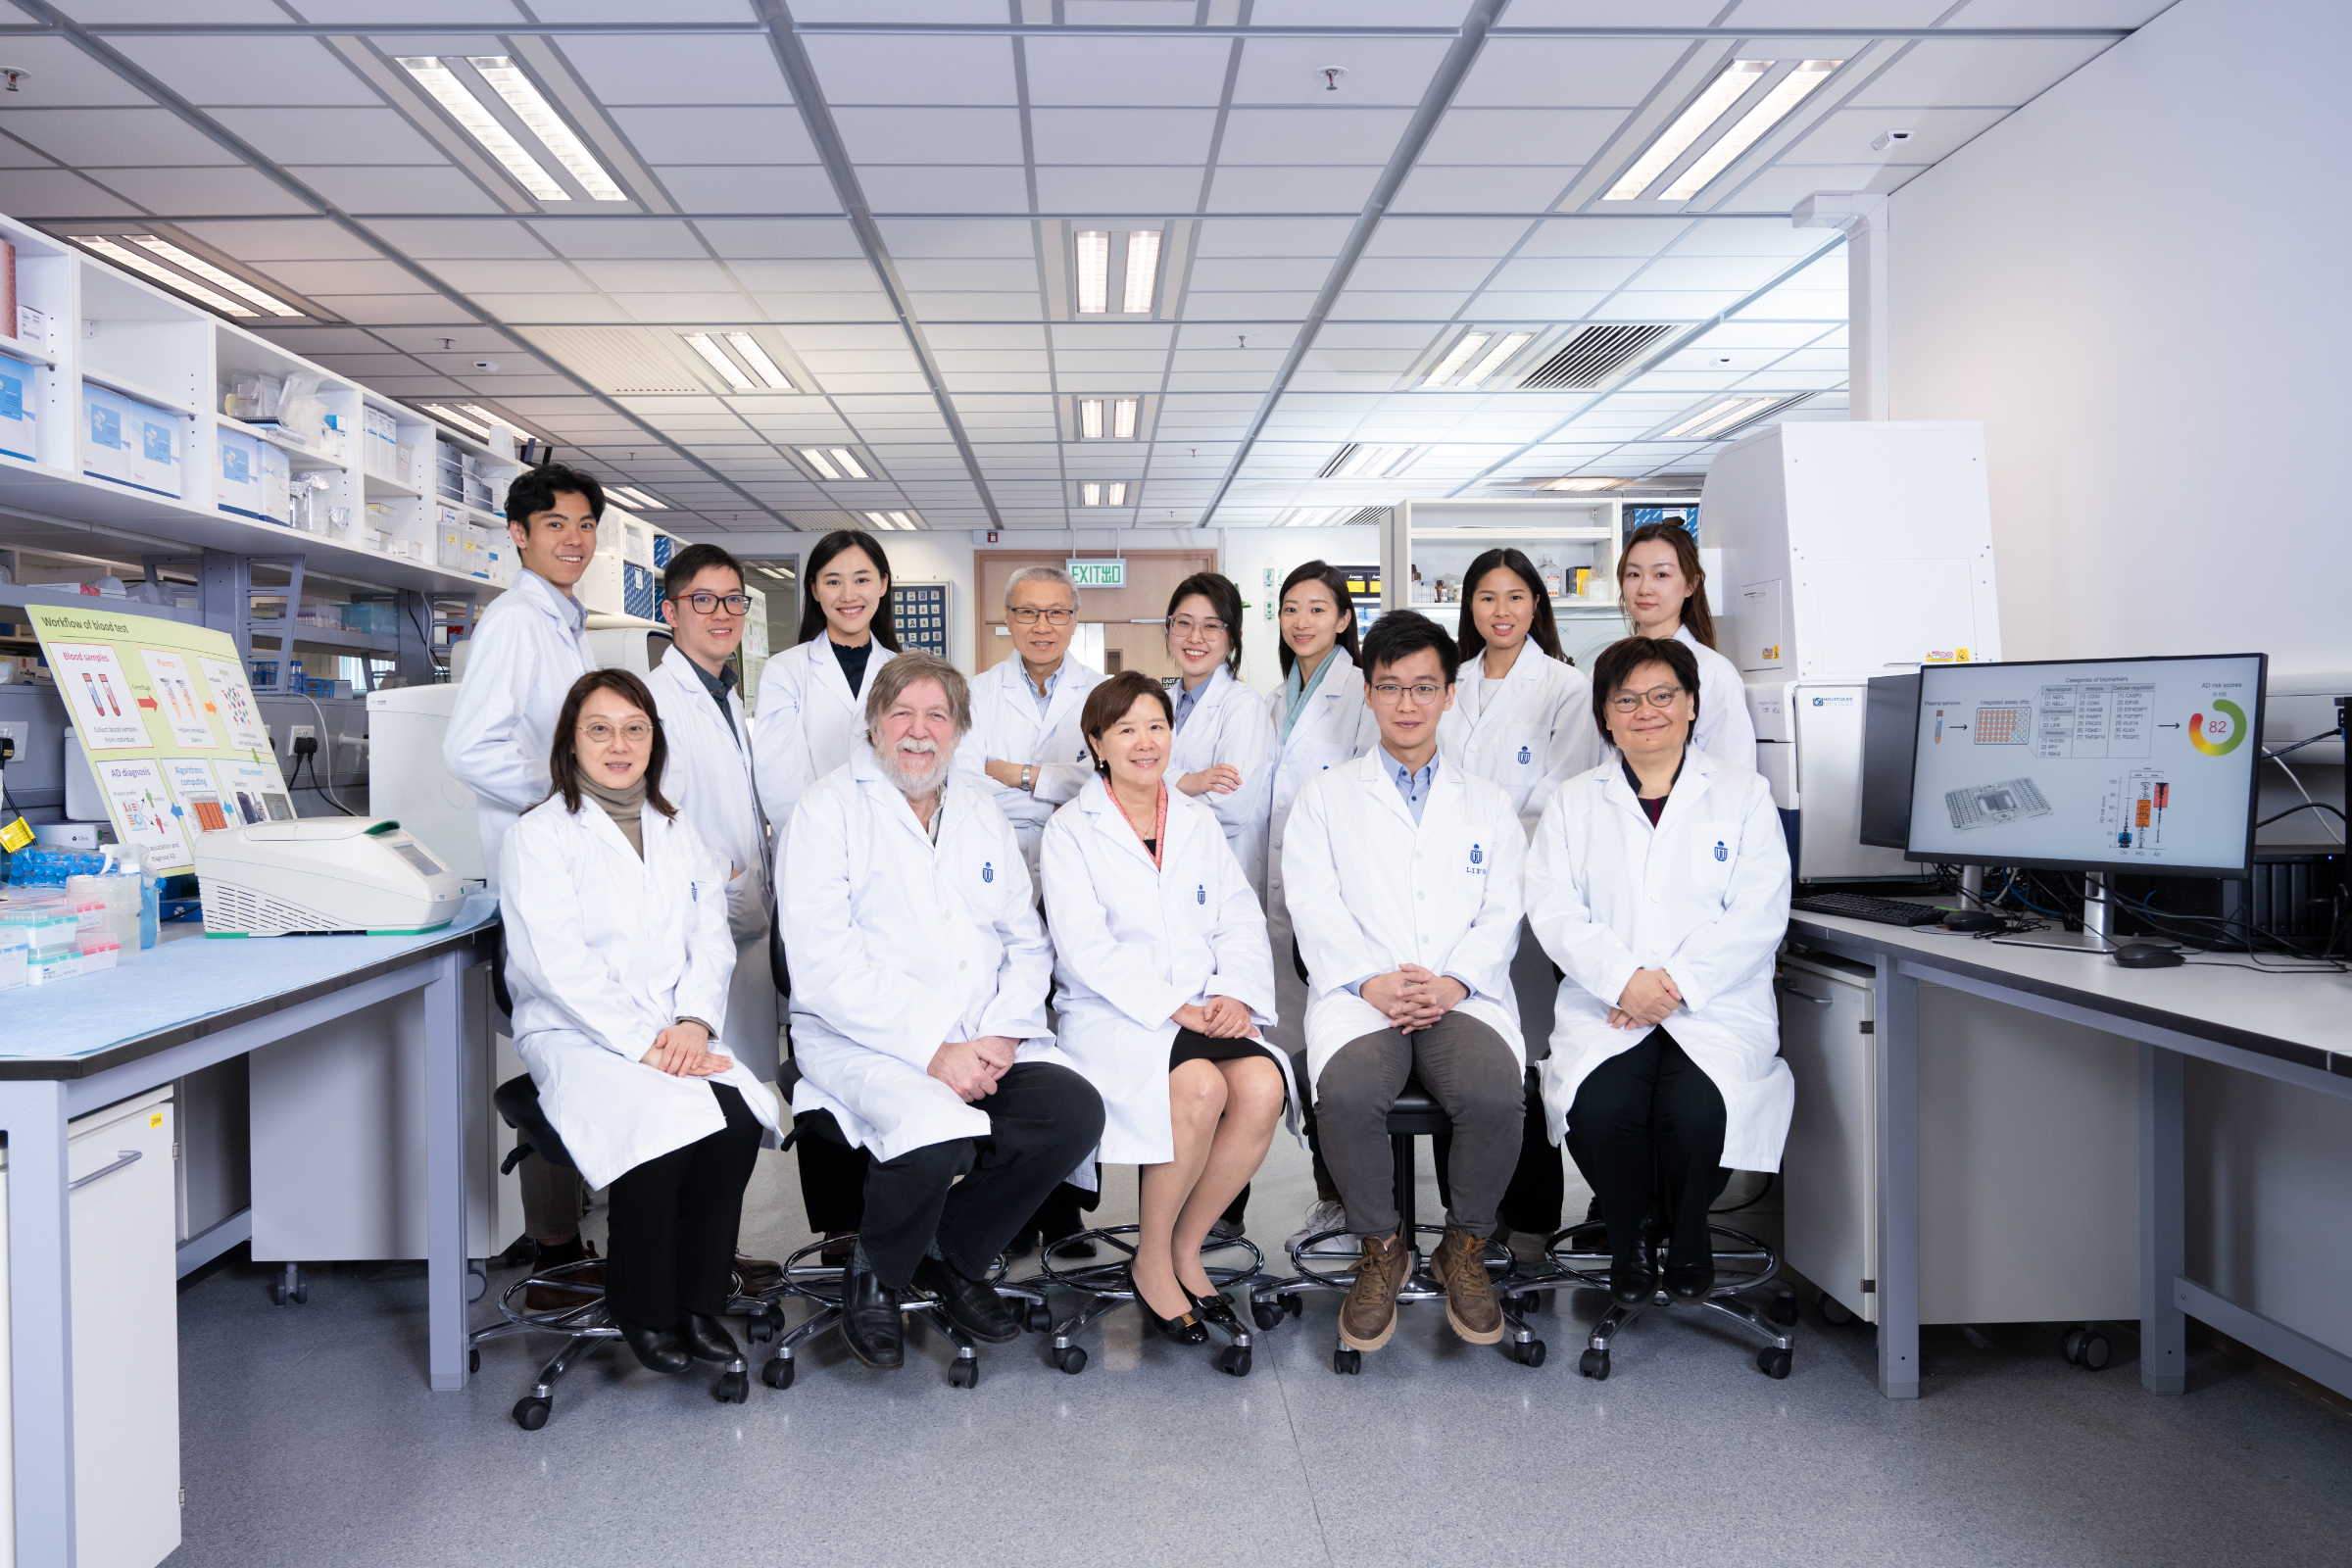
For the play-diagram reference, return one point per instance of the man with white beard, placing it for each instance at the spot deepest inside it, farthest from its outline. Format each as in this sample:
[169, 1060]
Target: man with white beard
[919, 975]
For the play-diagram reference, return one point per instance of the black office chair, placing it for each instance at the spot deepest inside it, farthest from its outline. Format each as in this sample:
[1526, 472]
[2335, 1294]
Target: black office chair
[1415, 1113]
[822, 1285]
[1111, 1285]
[585, 1324]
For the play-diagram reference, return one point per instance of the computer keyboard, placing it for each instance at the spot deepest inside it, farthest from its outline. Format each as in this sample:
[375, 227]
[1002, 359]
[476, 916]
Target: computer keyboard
[1862, 907]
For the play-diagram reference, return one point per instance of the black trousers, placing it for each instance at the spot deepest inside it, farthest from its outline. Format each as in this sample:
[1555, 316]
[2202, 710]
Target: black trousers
[1043, 1120]
[672, 1224]
[832, 1184]
[1647, 1125]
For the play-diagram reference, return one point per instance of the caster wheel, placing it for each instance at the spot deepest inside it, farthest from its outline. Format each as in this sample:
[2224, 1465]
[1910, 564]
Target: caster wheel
[733, 1388]
[1595, 1365]
[1290, 1302]
[760, 1329]
[478, 1283]
[1071, 1360]
[301, 1294]
[1348, 1360]
[1234, 1360]
[532, 1414]
[473, 1360]
[963, 1375]
[278, 1294]
[777, 1374]
[1772, 1362]
[1833, 1310]
[2094, 1354]
[1529, 1355]
[2070, 1347]
[1265, 1314]
[1782, 1309]
[1535, 1302]
[1038, 1319]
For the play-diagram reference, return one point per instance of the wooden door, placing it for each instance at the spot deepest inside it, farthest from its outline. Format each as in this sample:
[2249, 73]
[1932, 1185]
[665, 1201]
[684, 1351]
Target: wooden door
[1132, 617]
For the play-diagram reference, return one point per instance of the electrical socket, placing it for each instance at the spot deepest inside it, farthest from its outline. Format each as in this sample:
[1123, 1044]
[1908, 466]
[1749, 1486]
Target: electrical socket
[303, 732]
[20, 733]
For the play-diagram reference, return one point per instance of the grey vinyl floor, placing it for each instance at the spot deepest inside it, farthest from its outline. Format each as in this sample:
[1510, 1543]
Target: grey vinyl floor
[310, 1438]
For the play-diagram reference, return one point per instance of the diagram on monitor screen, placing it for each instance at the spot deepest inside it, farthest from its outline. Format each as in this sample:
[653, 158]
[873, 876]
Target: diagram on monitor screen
[2133, 813]
[1992, 805]
[2091, 721]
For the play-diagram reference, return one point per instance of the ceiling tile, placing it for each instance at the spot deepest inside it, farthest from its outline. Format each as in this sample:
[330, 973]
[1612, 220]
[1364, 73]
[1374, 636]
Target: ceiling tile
[717, 133]
[63, 77]
[1122, 189]
[921, 134]
[734, 237]
[315, 279]
[944, 188]
[377, 135]
[593, 241]
[1521, 135]
[1252, 188]
[1556, 273]
[1845, 138]
[203, 192]
[1580, 72]
[672, 276]
[245, 69]
[1127, 72]
[406, 309]
[1977, 73]
[1528, 190]
[1386, 71]
[1014, 273]
[914, 69]
[97, 138]
[1395, 306]
[655, 70]
[1603, 236]
[54, 193]
[1102, 136]
[749, 188]
[952, 236]
[429, 239]
[1311, 135]
[402, 189]
[1452, 236]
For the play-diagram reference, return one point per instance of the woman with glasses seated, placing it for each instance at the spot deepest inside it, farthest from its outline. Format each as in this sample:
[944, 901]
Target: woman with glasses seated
[1658, 882]
[1224, 743]
[1164, 981]
[618, 956]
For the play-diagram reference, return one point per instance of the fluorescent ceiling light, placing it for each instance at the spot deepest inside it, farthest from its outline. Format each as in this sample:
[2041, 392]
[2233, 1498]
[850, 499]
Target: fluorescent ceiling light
[1507, 345]
[1357, 461]
[1089, 495]
[148, 267]
[1122, 419]
[1119, 494]
[443, 412]
[187, 262]
[475, 119]
[1691, 123]
[1581, 485]
[1312, 517]
[632, 496]
[816, 460]
[901, 522]
[706, 346]
[904, 519]
[1456, 357]
[1714, 417]
[1090, 419]
[1143, 270]
[1094, 271]
[1787, 93]
[848, 461]
[762, 366]
[539, 116]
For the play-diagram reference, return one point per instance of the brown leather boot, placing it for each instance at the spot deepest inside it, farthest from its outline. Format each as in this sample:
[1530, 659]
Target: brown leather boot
[1470, 1304]
[561, 1294]
[1369, 1314]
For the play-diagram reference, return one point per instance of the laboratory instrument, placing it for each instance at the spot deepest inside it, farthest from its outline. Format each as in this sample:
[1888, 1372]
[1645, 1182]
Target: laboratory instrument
[331, 877]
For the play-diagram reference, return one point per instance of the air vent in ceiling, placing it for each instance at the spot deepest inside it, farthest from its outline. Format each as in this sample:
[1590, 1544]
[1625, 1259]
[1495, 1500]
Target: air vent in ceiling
[1594, 353]
[623, 361]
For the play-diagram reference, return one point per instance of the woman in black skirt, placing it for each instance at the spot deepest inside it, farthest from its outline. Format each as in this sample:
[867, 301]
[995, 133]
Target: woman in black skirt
[1166, 979]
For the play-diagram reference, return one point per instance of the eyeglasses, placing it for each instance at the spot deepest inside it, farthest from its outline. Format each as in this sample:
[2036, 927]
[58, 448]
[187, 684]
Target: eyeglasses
[705, 604]
[1388, 691]
[599, 733]
[1186, 626]
[1056, 616]
[1657, 696]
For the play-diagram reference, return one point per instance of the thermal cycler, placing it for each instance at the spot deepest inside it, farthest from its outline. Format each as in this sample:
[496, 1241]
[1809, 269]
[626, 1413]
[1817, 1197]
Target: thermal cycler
[337, 876]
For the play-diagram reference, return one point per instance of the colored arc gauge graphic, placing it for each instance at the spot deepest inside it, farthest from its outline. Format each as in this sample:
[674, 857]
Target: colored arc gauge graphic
[2218, 735]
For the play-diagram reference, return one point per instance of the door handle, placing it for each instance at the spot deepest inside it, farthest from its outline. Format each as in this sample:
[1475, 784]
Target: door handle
[1818, 1001]
[131, 1156]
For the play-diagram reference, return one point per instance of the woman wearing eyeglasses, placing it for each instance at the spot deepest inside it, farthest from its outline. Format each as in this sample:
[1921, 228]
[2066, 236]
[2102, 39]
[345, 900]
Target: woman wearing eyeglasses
[1658, 882]
[618, 956]
[1224, 743]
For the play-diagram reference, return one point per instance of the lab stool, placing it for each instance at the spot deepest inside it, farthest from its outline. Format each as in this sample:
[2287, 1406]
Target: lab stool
[1111, 1285]
[1580, 1257]
[585, 1325]
[1415, 1113]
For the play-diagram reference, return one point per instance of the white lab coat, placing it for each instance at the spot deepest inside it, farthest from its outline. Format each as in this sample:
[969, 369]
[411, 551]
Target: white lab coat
[1371, 891]
[1705, 895]
[521, 665]
[1228, 725]
[808, 722]
[897, 947]
[709, 780]
[1725, 730]
[1006, 728]
[1134, 942]
[604, 951]
[1335, 726]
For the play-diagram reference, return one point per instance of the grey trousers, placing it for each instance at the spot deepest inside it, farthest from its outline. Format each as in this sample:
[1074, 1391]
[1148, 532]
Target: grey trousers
[1466, 1068]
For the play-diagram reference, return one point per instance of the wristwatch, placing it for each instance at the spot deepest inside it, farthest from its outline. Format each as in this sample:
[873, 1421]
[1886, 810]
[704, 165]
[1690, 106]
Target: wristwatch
[1029, 776]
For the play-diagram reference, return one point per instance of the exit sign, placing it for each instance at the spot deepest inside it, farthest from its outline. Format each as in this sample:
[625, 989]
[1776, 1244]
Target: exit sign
[1097, 574]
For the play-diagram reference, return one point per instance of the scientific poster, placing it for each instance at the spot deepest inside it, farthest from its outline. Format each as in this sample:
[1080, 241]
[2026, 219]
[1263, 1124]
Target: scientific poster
[197, 795]
[256, 792]
[176, 697]
[143, 813]
[98, 694]
[233, 699]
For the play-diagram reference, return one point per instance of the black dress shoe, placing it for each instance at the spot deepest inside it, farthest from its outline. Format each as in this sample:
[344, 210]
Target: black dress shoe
[1632, 1281]
[1216, 1309]
[871, 1323]
[1690, 1282]
[1184, 1330]
[972, 1306]
[1021, 1245]
[662, 1350]
[1070, 1246]
[707, 1339]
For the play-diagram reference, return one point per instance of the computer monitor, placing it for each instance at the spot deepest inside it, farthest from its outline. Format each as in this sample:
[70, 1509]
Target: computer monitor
[1890, 724]
[2141, 764]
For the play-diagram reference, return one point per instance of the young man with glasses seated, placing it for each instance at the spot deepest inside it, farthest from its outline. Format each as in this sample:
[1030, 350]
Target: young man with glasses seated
[1024, 747]
[1403, 878]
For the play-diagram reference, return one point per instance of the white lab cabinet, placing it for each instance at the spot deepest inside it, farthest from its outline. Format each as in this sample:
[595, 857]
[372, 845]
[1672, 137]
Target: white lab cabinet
[124, 1206]
[2029, 1179]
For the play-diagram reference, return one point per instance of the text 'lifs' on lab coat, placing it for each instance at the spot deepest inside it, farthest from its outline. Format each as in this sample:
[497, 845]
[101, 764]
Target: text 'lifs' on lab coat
[1133, 942]
[810, 721]
[1228, 725]
[521, 664]
[1703, 896]
[1006, 727]
[1335, 726]
[1530, 732]
[604, 951]
[899, 946]
[1371, 891]
[709, 780]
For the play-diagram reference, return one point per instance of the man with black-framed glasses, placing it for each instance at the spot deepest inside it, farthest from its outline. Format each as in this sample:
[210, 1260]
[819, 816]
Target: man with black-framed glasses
[710, 779]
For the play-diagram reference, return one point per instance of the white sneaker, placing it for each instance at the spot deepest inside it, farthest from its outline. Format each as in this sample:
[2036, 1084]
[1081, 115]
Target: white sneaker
[1326, 1214]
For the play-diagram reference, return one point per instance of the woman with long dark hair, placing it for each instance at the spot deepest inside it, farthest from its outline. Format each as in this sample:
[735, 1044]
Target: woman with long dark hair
[618, 958]
[1223, 743]
[1664, 591]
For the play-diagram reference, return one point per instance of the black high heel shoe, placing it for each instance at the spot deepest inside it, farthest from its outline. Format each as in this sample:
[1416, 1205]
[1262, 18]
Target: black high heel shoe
[1214, 1309]
[1184, 1330]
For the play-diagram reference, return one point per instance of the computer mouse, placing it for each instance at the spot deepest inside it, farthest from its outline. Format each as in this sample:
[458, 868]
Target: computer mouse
[2148, 955]
[1973, 921]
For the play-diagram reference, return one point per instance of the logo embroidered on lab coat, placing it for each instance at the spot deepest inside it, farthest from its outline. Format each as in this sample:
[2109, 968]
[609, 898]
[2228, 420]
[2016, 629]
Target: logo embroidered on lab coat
[987, 872]
[1721, 854]
[1477, 855]
[1200, 893]
[1524, 758]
